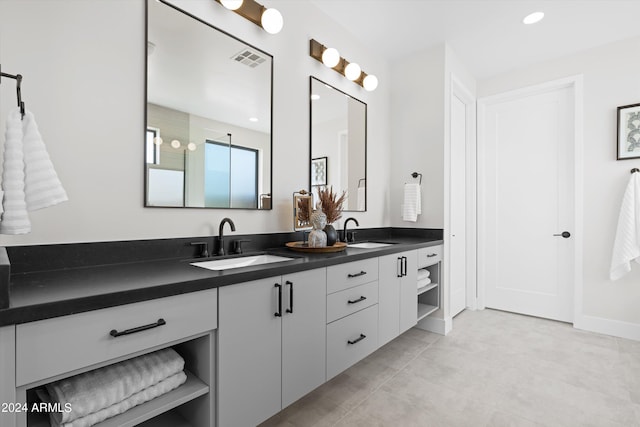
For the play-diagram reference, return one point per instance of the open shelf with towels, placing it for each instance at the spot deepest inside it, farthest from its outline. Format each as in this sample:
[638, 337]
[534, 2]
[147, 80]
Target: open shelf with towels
[429, 280]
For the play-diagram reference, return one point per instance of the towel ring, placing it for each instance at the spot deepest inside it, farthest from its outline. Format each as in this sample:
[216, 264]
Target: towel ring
[416, 174]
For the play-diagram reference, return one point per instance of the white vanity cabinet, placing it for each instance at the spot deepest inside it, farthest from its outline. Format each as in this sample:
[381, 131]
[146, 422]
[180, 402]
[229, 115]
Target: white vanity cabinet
[397, 283]
[430, 259]
[271, 345]
[53, 349]
[352, 307]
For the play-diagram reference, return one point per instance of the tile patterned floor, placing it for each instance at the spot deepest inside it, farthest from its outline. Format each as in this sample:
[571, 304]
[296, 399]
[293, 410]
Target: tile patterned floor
[494, 369]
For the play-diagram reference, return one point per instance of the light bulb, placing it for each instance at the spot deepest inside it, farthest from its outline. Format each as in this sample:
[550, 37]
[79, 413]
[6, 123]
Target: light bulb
[533, 18]
[272, 21]
[370, 82]
[231, 4]
[352, 71]
[191, 146]
[330, 57]
[157, 140]
[175, 143]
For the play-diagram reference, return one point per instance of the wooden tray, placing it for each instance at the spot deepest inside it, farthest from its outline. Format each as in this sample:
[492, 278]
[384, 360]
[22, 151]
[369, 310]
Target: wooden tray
[302, 247]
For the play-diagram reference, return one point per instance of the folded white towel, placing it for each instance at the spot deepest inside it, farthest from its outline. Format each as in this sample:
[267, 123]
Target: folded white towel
[14, 218]
[627, 243]
[423, 273]
[412, 206]
[42, 186]
[101, 388]
[135, 399]
[424, 282]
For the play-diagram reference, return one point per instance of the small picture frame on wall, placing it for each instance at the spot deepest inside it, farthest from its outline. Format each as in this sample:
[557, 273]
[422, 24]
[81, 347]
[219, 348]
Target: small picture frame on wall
[319, 171]
[628, 132]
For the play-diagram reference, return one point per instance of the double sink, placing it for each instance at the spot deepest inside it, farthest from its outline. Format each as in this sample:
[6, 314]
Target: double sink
[255, 260]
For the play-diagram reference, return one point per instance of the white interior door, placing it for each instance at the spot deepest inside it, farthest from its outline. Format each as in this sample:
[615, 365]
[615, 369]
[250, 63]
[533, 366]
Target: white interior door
[526, 193]
[458, 213]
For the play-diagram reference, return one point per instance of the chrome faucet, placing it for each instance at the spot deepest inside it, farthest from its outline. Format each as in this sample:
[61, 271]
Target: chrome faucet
[221, 235]
[344, 232]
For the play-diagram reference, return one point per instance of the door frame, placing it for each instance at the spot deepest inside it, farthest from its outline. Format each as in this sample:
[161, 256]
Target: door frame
[576, 84]
[459, 90]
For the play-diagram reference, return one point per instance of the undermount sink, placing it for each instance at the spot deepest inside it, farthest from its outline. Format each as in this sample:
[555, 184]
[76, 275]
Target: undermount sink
[238, 262]
[369, 245]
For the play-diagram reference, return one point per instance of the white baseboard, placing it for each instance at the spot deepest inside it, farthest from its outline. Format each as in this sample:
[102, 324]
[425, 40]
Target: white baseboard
[436, 325]
[615, 328]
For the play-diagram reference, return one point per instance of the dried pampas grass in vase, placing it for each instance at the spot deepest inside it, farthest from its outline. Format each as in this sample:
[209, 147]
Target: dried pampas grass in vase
[332, 208]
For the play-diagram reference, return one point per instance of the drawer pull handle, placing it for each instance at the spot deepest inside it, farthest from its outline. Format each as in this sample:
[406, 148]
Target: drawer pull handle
[362, 298]
[431, 255]
[362, 273]
[114, 333]
[357, 340]
[290, 309]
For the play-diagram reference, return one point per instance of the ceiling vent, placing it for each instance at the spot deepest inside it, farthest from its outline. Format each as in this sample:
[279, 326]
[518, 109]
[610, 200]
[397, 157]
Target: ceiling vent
[248, 58]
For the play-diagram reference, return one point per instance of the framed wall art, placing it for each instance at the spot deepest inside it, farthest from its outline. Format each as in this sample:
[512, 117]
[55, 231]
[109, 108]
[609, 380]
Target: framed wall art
[628, 132]
[319, 171]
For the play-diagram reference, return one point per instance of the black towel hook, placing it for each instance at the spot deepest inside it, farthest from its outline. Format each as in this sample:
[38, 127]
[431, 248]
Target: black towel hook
[18, 79]
[634, 170]
[416, 174]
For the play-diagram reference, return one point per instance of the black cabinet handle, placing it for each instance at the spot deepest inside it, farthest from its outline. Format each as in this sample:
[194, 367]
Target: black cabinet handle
[399, 267]
[357, 340]
[290, 309]
[279, 312]
[362, 298]
[431, 255]
[362, 273]
[404, 264]
[114, 333]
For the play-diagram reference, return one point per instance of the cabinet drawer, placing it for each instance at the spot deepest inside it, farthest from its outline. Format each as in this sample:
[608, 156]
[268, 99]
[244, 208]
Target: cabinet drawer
[343, 303]
[352, 274]
[63, 344]
[351, 339]
[429, 256]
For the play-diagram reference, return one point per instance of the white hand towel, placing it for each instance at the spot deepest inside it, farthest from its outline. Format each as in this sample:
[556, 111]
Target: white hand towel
[42, 186]
[424, 282]
[627, 243]
[103, 387]
[14, 218]
[412, 206]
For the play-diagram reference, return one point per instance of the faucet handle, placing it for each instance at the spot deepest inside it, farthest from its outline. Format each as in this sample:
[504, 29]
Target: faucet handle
[350, 237]
[237, 245]
[204, 252]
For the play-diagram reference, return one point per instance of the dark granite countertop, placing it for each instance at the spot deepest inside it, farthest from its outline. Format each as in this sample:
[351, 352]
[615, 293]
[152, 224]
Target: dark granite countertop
[37, 295]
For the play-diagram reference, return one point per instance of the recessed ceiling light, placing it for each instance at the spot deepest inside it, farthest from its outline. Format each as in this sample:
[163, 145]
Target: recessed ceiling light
[533, 18]
[253, 119]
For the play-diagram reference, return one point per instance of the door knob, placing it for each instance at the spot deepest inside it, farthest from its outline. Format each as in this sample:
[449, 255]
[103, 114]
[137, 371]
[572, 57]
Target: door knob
[564, 234]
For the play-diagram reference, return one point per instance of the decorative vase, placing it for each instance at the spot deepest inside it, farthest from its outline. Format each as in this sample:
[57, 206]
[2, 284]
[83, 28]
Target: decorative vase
[332, 235]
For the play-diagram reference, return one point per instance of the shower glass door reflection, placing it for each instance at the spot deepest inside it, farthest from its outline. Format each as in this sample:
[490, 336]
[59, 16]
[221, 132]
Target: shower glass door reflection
[231, 176]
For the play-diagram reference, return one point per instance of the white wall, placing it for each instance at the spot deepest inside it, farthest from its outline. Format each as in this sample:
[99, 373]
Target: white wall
[83, 67]
[610, 80]
[417, 139]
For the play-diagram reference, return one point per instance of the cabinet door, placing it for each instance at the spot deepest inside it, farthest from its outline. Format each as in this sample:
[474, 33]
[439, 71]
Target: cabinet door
[409, 291]
[303, 334]
[249, 353]
[389, 275]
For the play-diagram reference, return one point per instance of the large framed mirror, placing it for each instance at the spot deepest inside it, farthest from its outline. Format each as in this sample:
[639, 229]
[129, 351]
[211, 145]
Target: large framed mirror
[338, 144]
[208, 115]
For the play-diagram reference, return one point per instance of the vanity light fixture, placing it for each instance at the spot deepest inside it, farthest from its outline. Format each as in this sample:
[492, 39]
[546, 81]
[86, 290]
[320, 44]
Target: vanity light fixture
[351, 70]
[175, 143]
[157, 140]
[268, 18]
[533, 18]
[191, 146]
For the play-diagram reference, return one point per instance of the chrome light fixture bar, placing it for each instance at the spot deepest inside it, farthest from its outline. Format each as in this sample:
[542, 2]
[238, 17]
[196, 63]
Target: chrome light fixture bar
[331, 58]
[268, 19]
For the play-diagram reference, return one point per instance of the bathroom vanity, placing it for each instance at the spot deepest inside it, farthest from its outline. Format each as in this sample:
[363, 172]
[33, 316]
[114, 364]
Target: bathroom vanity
[255, 339]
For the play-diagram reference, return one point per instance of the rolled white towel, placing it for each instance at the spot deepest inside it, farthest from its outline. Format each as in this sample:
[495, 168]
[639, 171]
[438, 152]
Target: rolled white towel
[42, 186]
[423, 273]
[14, 218]
[101, 388]
[424, 282]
